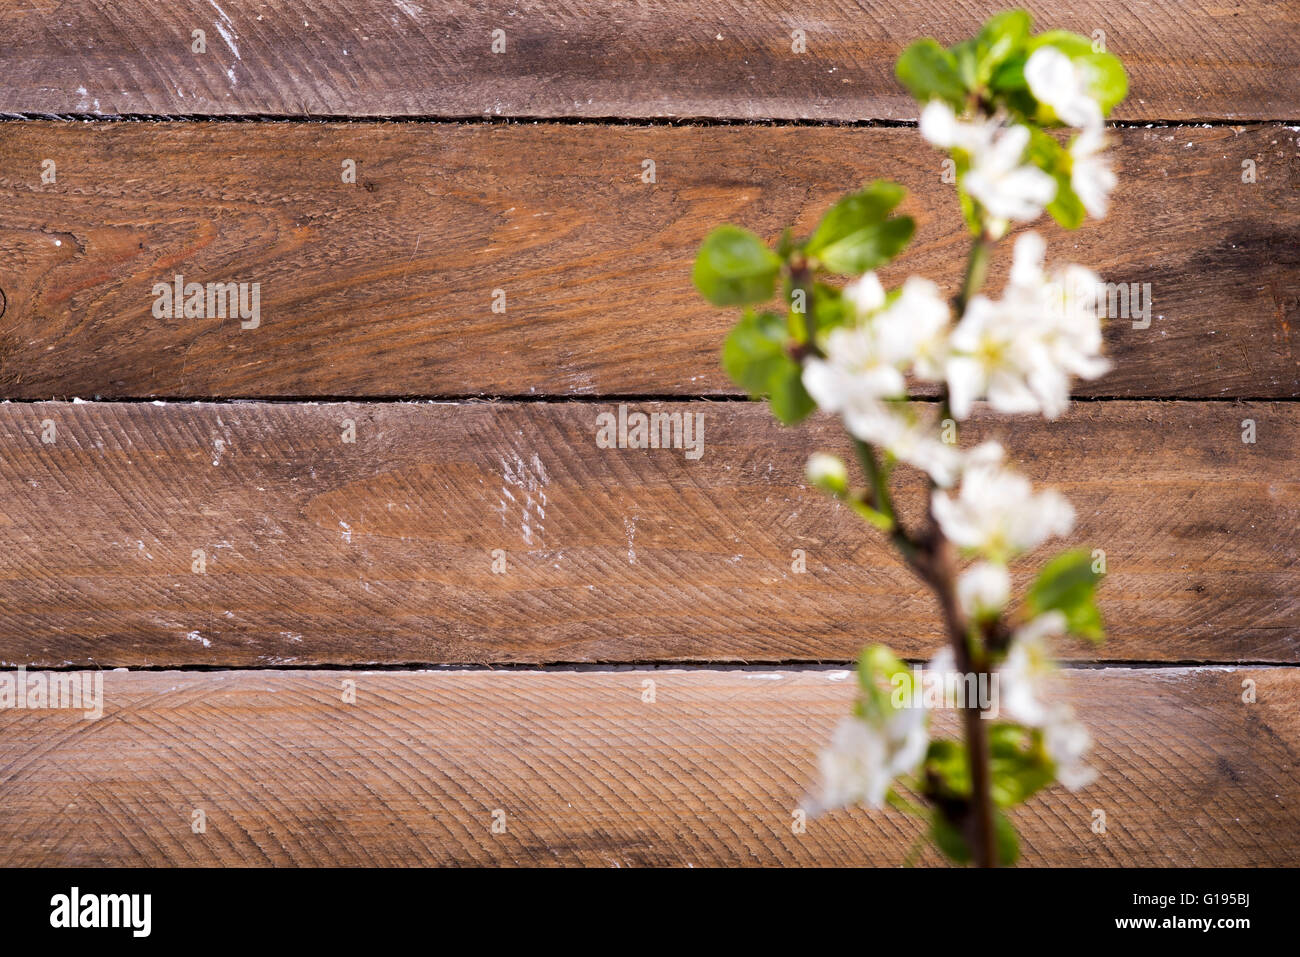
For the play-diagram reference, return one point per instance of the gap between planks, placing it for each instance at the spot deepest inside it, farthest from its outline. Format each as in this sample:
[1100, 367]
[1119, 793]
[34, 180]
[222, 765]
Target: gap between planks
[592, 121]
[646, 667]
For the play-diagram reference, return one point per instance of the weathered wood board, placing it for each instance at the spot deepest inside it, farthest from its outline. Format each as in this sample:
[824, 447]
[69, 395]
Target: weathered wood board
[274, 546]
[317, 550]
[662, 58]
[387, 287]
[583, 771]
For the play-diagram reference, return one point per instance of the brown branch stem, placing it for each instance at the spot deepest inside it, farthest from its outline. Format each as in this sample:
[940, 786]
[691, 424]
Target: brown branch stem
[939, 571]
[933, 559]
[936, 565]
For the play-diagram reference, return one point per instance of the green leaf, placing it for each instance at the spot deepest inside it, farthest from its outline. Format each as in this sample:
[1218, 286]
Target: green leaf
[754, 351]
[967, 61]
[1066, 207]
[1018, 764]
[735, 268]
[1006, 841]
[1054, 160]
[880, 674]
[1001, 38]
[829, 307]
[1105, 77]
[1107, 81]
[754, 355]
[1068, 584]
[1071, 44]
[1045, 152]
[1085, 621]
[877, 666]
[1009, 77]
[1065, 580]
[946, 770]
[857, 233]
[930, 72]
[790, 402]
[950, 840]
[1009, 88]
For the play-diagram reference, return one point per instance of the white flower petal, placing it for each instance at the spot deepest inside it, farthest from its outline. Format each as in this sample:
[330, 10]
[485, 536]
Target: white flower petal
[939, 124]
[863, 758]
[966, 383]
[996, 512]
[826, 470]
[984, 588]
[1091, 176]
[865, 293]
[1055, 80]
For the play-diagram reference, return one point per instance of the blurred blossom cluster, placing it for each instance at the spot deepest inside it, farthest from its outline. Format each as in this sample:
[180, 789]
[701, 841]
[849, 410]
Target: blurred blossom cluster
[1021, 118]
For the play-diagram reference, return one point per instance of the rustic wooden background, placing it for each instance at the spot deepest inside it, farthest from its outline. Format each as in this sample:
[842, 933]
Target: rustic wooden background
[330, 564]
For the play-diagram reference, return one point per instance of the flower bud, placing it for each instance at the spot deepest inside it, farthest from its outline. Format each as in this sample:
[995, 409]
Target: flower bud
[828, 473]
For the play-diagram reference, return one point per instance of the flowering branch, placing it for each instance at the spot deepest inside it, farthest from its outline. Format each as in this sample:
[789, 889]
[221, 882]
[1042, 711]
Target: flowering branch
[851, 349]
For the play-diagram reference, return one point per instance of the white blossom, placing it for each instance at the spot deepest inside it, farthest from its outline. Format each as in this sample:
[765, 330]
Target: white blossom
[1020, 352]
[886, 426]
[941, 127]
[1029, 669]
[1062, 310]
[865, 756]
[983, 589]
[1027, 678]
[1004, 184]
[1067, 742]
[913, 329]
[865, 364]
[912, 442]
[909, 331]
[943, 663]
[854, 372]
[998, 177]
[865, 294]
[1091, 176]
[1054, 80]
[996, 512]
[990, 359]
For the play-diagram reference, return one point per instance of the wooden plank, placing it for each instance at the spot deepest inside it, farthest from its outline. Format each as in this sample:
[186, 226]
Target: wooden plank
[663, 58]
[385, 288]
[585, 772]
[318, 551]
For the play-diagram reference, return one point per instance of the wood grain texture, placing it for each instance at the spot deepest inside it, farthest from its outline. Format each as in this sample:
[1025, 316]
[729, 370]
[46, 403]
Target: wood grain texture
[651, 58]
[317, 551]
[586, 773]
[385, 288]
